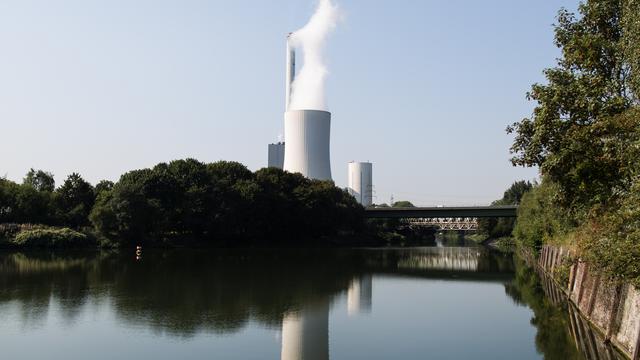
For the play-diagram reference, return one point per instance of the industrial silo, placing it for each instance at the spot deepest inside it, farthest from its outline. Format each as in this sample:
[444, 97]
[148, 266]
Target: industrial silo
[276, 155]
[360, 183]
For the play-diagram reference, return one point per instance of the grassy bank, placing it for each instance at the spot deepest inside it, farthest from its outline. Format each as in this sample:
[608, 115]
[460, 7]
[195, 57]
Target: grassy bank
[44, 237]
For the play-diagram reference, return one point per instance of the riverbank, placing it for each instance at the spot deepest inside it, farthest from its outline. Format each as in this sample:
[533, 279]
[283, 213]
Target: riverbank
[611, 307]
[43, 237]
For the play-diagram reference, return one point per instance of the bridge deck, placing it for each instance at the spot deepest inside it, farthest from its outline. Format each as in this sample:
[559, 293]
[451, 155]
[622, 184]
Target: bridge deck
[442, 212]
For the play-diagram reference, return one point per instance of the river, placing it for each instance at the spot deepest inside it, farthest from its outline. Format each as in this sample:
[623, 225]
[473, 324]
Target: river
[312, 304]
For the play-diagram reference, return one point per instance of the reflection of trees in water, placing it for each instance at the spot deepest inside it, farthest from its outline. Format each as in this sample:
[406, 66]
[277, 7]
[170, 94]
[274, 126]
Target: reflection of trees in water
[554, 319]
[221, 292]
[35, 279]
[183, 292]
[178, 293]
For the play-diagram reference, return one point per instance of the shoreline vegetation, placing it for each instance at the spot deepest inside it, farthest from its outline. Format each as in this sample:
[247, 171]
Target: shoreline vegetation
[584, 135]
[186, 203]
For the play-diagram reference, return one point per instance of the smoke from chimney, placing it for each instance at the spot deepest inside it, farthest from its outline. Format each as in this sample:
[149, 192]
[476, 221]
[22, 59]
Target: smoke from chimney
[308, 86]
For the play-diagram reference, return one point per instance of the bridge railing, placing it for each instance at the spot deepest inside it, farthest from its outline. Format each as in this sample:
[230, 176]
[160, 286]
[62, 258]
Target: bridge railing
[454, 224]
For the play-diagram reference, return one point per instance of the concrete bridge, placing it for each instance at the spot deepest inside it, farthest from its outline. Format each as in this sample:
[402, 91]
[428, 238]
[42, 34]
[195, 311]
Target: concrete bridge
[442, 212]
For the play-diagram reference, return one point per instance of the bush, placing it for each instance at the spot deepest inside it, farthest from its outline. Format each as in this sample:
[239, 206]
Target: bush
[611, 238]
[540, 219]
[9, 231]
[51, 238]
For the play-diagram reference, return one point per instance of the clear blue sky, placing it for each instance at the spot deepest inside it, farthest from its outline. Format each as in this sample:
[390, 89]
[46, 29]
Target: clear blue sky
[423, 89]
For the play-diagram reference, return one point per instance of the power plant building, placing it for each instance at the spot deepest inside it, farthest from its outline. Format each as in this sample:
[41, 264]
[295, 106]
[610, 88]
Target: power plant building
[360, 182]
[276, 155]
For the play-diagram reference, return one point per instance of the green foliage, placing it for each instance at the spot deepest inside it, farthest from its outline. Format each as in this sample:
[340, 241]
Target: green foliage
[631, 42]
[36, 202]
[75, 199]
[574, 135]
[540, 218]
[51, 238]
[40, 180]
[585, 136]
[562, 271]
[611, 238]
[502, 227]
[403, 204]
[103, 186]
[25, 204]
[186, 201]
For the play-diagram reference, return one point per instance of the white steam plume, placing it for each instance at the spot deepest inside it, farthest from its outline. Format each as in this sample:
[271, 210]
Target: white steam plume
[308, 86]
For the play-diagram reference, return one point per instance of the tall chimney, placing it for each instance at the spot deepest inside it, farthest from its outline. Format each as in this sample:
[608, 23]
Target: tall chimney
[290, 71]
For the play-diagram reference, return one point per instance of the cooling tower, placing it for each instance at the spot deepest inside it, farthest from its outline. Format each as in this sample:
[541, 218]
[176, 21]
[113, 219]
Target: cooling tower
[307, 135]
[360, 183]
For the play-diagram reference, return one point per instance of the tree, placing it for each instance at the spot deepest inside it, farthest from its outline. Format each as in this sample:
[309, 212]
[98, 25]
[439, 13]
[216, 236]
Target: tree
[513, 195]
[75, 200]
[572, 133]
[631, 42]
[402, 204]
[103, 186]
[8, 200]
[186, 201]
[498, 227]
[40, 180]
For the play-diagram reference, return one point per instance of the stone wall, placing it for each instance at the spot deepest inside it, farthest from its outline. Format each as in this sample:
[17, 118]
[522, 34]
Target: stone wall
[612, 308]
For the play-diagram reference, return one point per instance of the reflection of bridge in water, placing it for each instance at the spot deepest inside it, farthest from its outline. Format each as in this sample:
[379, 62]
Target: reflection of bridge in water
[447, 263]
[455, 259]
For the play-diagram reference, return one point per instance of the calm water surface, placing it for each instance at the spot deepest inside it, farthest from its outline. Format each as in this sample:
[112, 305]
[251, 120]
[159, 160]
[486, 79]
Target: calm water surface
[418, 303]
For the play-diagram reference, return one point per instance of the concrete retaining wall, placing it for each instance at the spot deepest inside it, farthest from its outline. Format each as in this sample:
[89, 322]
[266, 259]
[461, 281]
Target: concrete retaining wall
[612, 308]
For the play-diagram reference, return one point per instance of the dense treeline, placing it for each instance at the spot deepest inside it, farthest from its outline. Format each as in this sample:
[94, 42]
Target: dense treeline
[37, 200]
[584, 135]
[502, 227]
[186, 202]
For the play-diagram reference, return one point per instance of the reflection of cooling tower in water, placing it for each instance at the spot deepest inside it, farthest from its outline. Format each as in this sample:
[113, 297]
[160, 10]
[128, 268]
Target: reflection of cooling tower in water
[305, 333]
[359, 295]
